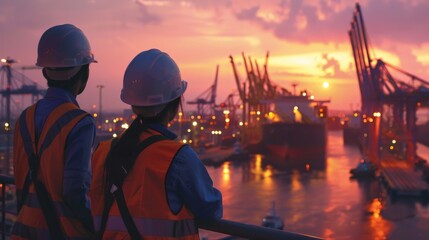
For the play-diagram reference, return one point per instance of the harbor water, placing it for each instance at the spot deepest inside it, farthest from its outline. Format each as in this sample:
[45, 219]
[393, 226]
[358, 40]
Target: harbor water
[325, 203]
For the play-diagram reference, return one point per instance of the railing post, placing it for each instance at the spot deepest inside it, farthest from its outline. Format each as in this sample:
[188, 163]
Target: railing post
[3, 212]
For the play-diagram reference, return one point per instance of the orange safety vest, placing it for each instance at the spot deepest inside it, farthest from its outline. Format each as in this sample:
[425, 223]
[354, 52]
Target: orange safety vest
[145, 195]
[30, 222]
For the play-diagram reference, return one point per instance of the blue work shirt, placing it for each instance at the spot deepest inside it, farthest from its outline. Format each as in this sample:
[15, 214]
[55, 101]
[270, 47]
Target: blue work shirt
[77, 154]
[188, 183]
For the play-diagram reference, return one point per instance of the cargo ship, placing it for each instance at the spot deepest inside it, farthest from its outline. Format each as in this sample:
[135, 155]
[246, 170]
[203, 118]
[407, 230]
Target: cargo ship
[352, 129]
[296, 138]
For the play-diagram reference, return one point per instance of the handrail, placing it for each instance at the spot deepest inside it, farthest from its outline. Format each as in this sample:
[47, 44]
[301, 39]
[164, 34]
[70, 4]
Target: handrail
[4, 180]
[228, 227]
[249, 231]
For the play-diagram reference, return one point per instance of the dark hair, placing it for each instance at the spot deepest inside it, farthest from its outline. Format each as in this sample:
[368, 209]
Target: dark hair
[83, 74]
[122, 151]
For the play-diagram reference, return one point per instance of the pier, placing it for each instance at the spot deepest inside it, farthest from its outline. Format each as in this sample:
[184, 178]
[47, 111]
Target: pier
[402, 179]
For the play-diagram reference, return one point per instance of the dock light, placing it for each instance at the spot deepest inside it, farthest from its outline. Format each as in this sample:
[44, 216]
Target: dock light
[258, 113]
[393, 141]
[194, 123]
[241, 123]
[115, 135]
[107, 121]
[312, 97]
[184, 141]
[189, 130]
[95, 115]
[392, 147]
[125, 126]
[110, 130]
[3, 60]
[295, 108]
[377, 114]
[226, 112]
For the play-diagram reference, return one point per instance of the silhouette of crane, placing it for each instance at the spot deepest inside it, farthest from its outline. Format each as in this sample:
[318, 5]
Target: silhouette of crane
[206, 101]
[389, 103]
[13, 84]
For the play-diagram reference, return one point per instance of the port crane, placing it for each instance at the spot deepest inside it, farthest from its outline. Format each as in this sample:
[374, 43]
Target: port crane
[206, 101]
[390, 98]
[14, 84]
[254, 93]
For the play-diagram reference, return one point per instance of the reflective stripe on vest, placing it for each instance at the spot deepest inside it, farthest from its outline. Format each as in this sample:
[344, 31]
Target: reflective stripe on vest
[30, 222]
[145, 195]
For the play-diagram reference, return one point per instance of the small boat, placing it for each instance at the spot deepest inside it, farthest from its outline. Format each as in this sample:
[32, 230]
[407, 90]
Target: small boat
[271, 220]
[364, 169]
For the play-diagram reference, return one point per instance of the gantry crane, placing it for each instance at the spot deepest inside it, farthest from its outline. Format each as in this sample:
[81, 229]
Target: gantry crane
[12, 85]
[389, 104]
[257, 88]
[206, 101]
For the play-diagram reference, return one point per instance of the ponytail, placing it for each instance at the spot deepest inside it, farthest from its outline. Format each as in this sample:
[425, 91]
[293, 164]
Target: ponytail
[121, 153]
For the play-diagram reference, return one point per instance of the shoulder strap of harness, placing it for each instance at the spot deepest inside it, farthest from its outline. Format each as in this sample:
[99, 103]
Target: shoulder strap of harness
[118, 194]
[61, 115]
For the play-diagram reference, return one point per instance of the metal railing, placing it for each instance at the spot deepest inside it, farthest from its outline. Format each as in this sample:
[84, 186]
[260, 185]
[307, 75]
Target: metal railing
[5, 183]
[227, 227]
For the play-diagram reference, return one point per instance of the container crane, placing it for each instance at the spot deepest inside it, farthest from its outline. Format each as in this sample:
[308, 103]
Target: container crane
[13, 83]
[389, 104]
[206, 101]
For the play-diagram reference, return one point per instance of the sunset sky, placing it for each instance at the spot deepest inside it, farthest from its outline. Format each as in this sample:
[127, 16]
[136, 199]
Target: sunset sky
[307, 40]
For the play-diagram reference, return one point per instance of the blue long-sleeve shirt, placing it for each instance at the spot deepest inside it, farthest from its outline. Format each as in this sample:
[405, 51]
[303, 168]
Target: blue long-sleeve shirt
[188, 183]
[77, 154]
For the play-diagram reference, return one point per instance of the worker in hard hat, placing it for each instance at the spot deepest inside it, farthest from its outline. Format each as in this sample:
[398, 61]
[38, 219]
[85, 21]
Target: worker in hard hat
[53, 143]
[145, 182]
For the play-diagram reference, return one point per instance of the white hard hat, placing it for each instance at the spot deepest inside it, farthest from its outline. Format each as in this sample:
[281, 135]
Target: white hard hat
[64, 46]
[152, 79]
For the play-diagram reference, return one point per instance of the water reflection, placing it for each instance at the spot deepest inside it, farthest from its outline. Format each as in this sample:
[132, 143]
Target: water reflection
[324, 203]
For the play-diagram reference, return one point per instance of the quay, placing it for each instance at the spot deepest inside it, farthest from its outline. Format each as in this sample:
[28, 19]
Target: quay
[402, 179]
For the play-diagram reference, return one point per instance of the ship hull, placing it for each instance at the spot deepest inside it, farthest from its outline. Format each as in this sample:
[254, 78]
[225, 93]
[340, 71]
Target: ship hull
[351, 135]
[295, 145]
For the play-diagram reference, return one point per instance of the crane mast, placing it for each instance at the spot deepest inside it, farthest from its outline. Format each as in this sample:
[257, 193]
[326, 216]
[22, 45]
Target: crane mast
[389, 105]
